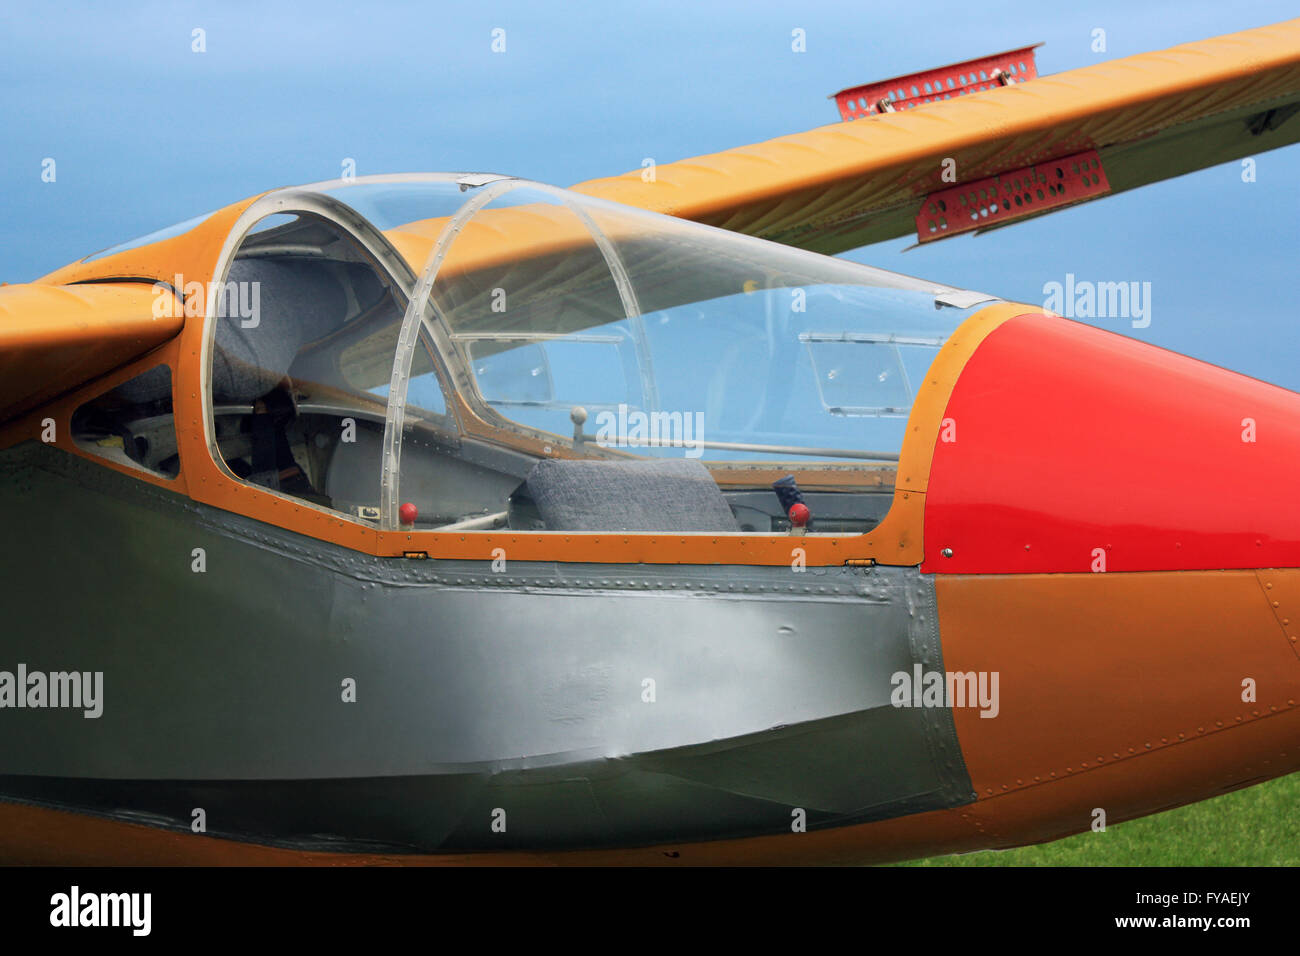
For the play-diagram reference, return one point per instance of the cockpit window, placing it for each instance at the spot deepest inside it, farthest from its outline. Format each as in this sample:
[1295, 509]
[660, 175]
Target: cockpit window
[673, 339]
[132, 424]
[471, 353]
[302, 357]
[168, 232]
[547, 330]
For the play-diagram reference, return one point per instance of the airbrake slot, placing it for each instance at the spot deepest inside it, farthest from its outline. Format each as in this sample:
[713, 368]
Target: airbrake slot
[940, 83]
[1016, 194]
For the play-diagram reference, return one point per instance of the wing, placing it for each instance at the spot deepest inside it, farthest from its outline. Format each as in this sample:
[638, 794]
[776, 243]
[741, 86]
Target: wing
[1144, 118]
[55, 337]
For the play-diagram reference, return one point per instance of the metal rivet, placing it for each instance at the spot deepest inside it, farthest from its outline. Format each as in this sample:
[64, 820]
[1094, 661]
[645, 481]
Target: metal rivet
[947, 552]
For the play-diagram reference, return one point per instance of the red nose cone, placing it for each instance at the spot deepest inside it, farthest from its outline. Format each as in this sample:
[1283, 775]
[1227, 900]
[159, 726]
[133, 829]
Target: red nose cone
[799, 514]
[408, 513]
[1072, 449]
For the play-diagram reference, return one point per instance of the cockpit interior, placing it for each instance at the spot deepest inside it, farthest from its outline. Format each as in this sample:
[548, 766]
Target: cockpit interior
[542, 361]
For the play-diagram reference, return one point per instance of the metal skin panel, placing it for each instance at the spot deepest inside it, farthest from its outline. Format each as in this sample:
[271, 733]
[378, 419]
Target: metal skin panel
[1076, 449]
[1164, 777]
[1282, 591]
[1125, 692]
[475, 690]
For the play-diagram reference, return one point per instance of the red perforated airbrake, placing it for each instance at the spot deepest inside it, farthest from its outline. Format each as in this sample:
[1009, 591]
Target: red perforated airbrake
[1011, 195]
[940, 83]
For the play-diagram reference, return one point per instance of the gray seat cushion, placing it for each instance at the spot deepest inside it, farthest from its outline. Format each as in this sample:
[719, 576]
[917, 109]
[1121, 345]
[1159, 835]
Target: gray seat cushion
[674, 495]
[299, 302]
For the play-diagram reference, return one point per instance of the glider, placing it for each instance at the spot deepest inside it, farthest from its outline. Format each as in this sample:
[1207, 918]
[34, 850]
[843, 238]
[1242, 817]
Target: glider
[451, 518]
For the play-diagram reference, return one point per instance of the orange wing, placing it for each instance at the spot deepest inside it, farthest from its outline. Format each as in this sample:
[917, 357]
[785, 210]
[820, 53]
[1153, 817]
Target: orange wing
[1150, 117]
[55, 337]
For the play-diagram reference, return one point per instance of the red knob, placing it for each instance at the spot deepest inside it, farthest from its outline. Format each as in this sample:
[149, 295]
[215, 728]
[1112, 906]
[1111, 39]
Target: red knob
[408, 513]
[799, 514]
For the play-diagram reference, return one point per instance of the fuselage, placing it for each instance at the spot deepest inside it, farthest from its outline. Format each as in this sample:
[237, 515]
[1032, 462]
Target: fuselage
[1027, 611]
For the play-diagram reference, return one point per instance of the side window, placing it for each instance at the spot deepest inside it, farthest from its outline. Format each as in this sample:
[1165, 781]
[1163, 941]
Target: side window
[132, 424]
[302, 358]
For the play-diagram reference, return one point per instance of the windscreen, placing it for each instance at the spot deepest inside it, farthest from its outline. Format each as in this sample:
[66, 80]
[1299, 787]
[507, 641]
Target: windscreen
[659, 337]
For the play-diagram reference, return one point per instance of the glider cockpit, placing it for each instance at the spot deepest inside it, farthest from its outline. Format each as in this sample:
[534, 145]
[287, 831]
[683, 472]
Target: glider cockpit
[478, 353]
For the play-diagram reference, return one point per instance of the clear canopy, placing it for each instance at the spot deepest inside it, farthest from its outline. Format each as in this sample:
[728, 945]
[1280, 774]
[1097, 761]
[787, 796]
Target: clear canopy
[603, 330]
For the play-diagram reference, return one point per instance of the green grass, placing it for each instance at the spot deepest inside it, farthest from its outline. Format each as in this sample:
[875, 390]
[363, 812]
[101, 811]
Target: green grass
[1258, 826]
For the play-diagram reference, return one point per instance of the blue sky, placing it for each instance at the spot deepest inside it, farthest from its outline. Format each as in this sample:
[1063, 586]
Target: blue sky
[146, 132]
